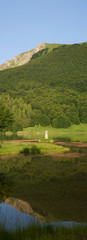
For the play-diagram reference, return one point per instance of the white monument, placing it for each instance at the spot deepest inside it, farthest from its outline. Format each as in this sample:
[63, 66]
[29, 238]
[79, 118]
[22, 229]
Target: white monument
[46, 134]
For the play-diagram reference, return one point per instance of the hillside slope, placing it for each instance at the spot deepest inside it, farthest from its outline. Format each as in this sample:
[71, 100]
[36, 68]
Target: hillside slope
[65, 66]
[55, 84]
[25, 57]
[21, 58]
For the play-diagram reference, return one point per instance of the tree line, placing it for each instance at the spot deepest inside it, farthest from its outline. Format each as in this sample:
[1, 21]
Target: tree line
[58, 111]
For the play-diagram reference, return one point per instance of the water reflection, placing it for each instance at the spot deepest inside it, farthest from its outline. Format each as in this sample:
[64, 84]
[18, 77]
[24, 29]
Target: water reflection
[24, 207]
[56, 188]
[12, 219]
[12, 136]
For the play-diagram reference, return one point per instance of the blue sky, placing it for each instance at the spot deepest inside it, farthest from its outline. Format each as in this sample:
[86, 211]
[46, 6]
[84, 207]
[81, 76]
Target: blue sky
[26, 23]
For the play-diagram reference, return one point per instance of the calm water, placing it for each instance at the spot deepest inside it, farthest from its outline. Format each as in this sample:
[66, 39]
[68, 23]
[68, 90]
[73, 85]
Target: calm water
[11, 137]
[43, 189]
[12, 219]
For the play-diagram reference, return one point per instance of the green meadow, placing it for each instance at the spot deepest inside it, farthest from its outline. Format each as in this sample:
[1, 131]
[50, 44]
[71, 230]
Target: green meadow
[20, 147]
[73, 133]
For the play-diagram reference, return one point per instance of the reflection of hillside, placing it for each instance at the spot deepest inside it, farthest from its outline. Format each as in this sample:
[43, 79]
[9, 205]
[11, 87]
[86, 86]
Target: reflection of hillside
[24, 207]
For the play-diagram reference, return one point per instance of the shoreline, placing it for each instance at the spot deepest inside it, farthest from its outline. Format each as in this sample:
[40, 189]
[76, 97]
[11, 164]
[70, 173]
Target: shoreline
[53, 154]
[61, 155]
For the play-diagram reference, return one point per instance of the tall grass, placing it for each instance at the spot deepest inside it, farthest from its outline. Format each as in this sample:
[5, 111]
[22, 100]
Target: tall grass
[45, 233]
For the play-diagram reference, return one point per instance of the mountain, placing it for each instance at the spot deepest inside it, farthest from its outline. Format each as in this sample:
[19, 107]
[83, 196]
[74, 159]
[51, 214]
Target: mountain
[53, 82]
[21, 58]
[25, 57]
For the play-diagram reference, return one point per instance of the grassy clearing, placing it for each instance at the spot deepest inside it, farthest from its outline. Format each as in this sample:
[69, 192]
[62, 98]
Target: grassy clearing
[46, 233]
[73, 133]
[17, 147]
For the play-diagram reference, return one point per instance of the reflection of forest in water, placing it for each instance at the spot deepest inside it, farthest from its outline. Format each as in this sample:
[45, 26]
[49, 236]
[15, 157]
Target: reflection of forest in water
[10, 136]
[55, 188]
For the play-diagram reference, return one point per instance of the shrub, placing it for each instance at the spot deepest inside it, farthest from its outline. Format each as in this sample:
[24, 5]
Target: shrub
[26, 151]
[35, 150]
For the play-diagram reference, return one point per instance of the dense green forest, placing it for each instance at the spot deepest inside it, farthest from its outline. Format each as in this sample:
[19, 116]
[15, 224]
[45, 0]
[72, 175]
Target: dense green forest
[6, 117]
[18, 109]
[50, 89]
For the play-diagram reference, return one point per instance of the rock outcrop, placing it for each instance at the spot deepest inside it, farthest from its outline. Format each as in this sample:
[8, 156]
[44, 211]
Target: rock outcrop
[22, 58]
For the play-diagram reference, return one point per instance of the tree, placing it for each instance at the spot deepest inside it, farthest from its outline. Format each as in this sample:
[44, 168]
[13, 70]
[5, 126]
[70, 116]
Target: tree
[61, 121]
[21, 110]
[6, 117]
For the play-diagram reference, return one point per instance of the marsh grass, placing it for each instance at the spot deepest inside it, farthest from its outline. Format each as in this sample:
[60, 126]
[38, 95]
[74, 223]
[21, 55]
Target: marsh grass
[45, 233]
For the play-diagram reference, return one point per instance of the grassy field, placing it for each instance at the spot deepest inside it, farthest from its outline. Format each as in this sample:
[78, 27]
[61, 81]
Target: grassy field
[46, 233]
[18, 147]
[73, 133]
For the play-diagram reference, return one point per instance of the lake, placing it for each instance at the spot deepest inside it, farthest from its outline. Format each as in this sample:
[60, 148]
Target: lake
[43, 189]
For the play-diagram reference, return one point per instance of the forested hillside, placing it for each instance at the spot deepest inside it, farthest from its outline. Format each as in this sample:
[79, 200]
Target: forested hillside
[53, 84]
[23, 58]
